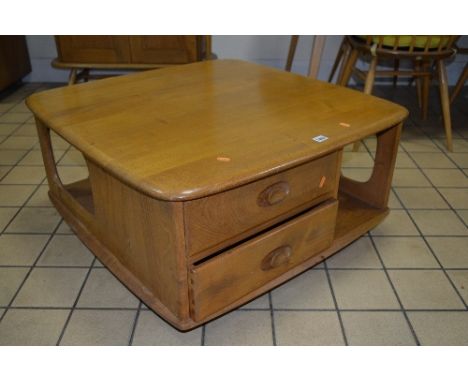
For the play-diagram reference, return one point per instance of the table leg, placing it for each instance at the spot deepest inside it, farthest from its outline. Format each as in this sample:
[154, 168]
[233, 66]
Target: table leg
[376, 190]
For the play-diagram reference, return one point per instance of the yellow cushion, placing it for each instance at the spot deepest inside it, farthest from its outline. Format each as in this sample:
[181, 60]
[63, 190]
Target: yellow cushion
[405, 41]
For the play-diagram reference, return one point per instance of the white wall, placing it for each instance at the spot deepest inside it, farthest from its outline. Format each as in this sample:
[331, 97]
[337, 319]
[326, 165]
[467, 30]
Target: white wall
[268, 50]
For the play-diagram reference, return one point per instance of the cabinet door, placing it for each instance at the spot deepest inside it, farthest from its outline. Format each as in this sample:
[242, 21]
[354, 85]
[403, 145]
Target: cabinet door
[14, 60]
[165, 49]
[94, 49]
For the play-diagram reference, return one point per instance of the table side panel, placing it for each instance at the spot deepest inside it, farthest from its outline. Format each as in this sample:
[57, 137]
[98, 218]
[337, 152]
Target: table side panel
[145, 235]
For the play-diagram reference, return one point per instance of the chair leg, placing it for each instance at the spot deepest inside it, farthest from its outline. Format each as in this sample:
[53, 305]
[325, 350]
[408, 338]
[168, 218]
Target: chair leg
[417, 68]
[368, 89]
[72, 77]
[444, 98]
[426, 81]
[339, 56]
[292, 52]
[460, 83]
[348, 67]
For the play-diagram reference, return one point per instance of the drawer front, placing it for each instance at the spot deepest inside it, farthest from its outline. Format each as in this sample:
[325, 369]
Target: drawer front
[224, 279]
[225, 218]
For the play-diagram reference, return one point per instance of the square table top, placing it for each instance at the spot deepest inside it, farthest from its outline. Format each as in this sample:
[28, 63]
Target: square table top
[189, 131]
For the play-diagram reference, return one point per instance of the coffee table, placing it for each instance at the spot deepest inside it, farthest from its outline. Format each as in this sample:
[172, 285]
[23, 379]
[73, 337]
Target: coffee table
[212, 183]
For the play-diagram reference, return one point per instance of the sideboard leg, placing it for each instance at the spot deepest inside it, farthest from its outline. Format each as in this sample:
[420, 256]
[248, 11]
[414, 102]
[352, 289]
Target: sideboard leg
[72, 77]
[376, 190]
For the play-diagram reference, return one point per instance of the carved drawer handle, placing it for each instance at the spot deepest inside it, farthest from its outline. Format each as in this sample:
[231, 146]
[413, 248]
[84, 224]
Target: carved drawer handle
[277, 257]
[273, 194]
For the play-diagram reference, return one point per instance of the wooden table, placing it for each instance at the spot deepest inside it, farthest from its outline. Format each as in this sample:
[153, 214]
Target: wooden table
[212, 183]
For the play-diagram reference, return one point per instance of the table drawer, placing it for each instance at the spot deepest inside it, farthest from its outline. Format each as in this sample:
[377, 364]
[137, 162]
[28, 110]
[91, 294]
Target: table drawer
[220, 220]
[223, 279]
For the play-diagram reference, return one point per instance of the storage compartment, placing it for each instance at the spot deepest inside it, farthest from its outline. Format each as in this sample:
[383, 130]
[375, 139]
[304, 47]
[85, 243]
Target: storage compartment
[217, 221]
[225, 278]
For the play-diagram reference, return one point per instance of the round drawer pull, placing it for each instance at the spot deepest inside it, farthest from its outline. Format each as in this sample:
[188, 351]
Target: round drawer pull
[277, 257]
[273, 194]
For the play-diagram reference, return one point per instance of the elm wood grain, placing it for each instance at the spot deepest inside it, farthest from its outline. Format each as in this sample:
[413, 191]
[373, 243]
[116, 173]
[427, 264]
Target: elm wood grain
[143, 237]
[222, 219]
[239, 271]
[161, 131]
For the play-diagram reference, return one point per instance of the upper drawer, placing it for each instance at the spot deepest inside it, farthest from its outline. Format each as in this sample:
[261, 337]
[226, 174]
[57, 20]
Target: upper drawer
[222, 219]
[226, 278]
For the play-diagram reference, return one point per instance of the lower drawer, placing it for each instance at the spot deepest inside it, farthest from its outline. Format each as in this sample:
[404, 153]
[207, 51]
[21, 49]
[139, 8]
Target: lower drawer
[220, 281]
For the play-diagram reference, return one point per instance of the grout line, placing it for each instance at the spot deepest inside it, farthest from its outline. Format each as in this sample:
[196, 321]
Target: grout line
[135, 323]
[73, 308]
[203, 335]
[272, 315]
[337, 309]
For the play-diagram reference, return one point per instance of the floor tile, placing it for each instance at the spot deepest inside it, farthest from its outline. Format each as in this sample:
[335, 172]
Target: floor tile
[457, 197]
[377, 329]
[404, 161]
[459, 145]
[72, 174]
[64, 228]
[8, 128]
[440, 328]
[420, 145]
[240, 327]
[463, 215]
[6, 214]
[34, 158]
[26, 130]
[14, 196]
[11, 157]
[359, 174]
[153, 331]
[414, 198]
[18, 143]
[425, 289]
[396, 223]
[393, 201]
[66, 250]
[461, 159]
[357, 159]
[451, 251]
[405, 252]
[36, 220]
[10, 281]
[21, 250]
[432, 160]
[103, 290]
[407, 177]
[25, 175]
[40, 198]
[99, 327]
[308, 328]
[12, 117]
[73, 157]
[51, 287]
[262, 302]
[359, 254]
[26, 327]
[439, 222]
[310, 290]
[365, 289]
[447, 178]
[460, 280]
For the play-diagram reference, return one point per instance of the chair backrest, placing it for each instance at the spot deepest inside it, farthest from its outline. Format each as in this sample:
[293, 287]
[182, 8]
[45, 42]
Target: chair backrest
[407, 45]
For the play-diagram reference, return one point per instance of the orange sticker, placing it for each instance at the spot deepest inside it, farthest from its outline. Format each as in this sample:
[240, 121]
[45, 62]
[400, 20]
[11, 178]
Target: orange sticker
[344, 124]
[223, 159]
[322, 181]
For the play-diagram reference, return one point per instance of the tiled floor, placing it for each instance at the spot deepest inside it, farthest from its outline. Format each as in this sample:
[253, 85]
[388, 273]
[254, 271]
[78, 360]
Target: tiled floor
[405, 283]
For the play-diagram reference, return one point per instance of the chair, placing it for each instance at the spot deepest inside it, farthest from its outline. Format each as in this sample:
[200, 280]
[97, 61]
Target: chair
[463, 76]
[424, 51]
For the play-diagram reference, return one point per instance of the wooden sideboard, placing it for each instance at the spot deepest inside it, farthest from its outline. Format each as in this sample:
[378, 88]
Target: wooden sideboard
[212, 183]
[14, 60]
[81, 54]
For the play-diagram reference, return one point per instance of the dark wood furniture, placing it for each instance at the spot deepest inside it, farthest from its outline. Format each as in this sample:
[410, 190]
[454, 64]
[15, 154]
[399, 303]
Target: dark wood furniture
[14, 60]
[81, 54]
[212, 183]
